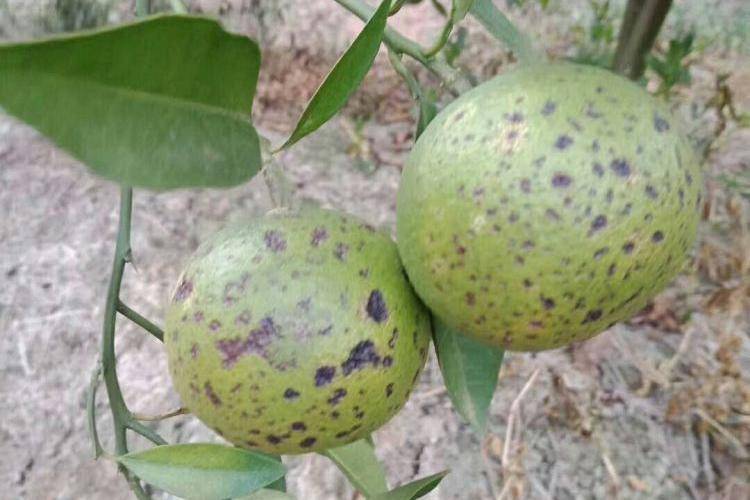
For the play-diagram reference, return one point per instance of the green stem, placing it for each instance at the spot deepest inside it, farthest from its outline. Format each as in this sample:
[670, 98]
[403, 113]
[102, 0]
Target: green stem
[454, 81]
[91, 410]
[139, 320]
[630, 59]
[442, 39]
[396, 7]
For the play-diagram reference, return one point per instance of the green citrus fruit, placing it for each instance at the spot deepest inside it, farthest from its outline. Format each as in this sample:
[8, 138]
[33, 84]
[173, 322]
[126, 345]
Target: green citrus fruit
[547, 204]
[295, 332]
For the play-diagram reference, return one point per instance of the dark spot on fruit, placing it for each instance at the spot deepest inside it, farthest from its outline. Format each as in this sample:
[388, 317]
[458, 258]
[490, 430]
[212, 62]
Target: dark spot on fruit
[299, 426]
[341, 251]
[592, 315]
[183, 291]
[194, 350]
[601, 253]
[471, 299]
[599, 89]
[595, 147]
[547, 302]
[563, 142]
[342, 434]
[660, 124]
[338, 395]
[255, 343]
[549, 108]
[387, 361]
[393, 339]
[273, 439]
[599, 223]
[627, 208]
[592, 112]
[598, 169]
[552, 215]
[657, 237]
[651, 192]
[324, 375]
[376, 307]
[214, 325]
[469, 137]
[319, 235]
[628, 247]
[307, 442]
[526, 185]
[520, 260]
[364, 273]
[211, 395]
[514, 117]
[275, 241]
[359, 415]
[527, 283]
[612, 269]
[620, 167]
[688, 178]
[388, 390]
[364, 353]
[513, 217]
[458, 117]
[560, 180]
[243, 318]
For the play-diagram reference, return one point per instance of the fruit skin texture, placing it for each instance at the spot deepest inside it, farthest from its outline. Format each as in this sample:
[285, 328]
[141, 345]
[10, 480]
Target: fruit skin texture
[545, 205]
[294, 333]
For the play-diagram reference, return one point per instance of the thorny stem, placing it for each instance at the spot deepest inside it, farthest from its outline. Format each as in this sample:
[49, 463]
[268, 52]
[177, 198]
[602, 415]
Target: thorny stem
[454, 81]
[139, 320]
[91, 409]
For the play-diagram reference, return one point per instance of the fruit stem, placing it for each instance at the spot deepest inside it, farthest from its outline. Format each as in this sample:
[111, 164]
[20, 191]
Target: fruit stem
[642, 22]
[454, 80]
[139, 320]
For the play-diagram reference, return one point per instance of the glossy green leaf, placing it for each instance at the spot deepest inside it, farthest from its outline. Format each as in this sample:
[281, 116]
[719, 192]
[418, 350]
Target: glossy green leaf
[267, 494]
[203, 471]
[470, 372]
[460, 9]
[427, 111]
[413, 490]
[501, 28]
[161, 103]
[344, 78]
[359, 464]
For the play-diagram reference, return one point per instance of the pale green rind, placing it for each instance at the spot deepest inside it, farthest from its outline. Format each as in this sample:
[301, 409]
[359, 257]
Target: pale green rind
[203, 471]
[288, 293]
[161, 103]
[502, 198]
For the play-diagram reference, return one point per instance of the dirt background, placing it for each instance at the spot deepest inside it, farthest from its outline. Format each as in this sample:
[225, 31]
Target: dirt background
[657, 408]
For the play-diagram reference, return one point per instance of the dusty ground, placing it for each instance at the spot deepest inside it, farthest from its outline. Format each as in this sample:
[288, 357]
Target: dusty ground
[656, 408]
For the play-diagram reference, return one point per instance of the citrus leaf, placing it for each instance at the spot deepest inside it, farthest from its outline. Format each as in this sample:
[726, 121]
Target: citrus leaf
[501, 28]
[427, 111]
[413, 490]
[266, 494]
[160, 103]
[344, 78]
[470, 372]
[203, 471]
[359, 464]
[460, 9]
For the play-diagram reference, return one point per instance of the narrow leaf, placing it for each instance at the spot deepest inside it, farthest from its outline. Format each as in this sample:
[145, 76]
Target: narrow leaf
[413, 490]
[267, 494]
[459, 10]
[359, 464]
[161, 103]
[203, 471]
[501, 28]
[427, 111]
[344, 78]
[470, 372]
